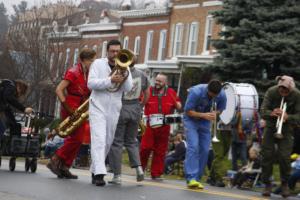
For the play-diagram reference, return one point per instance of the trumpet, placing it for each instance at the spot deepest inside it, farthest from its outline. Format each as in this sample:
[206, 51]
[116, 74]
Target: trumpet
[214, 124]
[123, 61]
[279, 122]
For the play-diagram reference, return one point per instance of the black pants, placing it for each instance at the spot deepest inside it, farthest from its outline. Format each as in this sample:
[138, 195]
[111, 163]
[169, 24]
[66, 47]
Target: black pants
[11, 123]
[296, 146]
[241, 177]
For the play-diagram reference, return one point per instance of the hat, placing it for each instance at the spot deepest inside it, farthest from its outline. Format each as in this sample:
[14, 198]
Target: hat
[286, 81]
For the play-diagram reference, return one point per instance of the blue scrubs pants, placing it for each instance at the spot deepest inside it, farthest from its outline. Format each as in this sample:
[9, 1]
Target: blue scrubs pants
[198, 139]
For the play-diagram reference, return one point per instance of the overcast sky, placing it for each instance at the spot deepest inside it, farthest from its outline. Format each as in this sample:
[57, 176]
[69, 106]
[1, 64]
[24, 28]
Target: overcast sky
[9, 3]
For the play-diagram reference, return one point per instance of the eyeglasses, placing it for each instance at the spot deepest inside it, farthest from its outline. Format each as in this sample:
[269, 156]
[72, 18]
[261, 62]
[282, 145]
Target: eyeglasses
[113, 51]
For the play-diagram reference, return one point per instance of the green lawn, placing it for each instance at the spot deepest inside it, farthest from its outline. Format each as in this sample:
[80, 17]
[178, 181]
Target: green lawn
[175, 175]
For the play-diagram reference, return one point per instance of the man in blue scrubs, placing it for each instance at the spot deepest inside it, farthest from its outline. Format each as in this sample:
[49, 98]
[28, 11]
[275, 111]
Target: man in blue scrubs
[197, 118]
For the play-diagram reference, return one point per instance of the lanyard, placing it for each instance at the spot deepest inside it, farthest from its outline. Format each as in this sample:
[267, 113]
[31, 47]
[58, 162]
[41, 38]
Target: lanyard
[159, 96]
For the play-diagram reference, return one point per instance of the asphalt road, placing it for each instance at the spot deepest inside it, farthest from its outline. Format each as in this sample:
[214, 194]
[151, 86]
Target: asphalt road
[42, 185]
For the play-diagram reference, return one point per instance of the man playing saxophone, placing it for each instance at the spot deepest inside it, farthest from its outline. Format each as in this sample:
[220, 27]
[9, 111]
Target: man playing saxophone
[272, 111]
[75, 84]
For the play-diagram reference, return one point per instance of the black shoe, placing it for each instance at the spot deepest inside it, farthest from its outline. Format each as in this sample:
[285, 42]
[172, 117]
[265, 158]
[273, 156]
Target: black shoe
[211, 182]
[219, 184]
[68, 175]
[285, 190]
[99, 180]
[60, 176]
[65, 172]
[157, 178]
[54, 165]
[267, 190]
[93, 178]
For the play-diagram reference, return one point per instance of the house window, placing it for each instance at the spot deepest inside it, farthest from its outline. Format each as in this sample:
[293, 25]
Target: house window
[125, 42]
[67, 59]
[178, 39]
[208, 33]
[193, 36]
[149, 45]
[162, 45]
[75, 59]
[59, 63]
[104, 46]
[137, 47]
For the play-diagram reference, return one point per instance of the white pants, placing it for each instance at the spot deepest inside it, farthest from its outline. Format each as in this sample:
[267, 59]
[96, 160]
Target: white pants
[103, 127]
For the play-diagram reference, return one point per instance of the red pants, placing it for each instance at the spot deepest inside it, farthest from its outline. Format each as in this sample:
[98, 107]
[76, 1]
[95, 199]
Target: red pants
[70, 149]
[156, 140]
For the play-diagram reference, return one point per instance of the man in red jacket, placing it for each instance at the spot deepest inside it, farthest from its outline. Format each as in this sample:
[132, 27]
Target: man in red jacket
[162, 101]
[75, 84]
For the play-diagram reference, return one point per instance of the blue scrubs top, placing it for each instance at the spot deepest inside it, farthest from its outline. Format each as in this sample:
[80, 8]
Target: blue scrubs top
[198, 101]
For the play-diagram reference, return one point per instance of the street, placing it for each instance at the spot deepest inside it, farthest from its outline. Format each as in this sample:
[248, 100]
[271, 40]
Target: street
[43, 185]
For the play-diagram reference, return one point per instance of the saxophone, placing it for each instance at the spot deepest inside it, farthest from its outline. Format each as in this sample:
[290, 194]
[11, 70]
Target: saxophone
[71, 123]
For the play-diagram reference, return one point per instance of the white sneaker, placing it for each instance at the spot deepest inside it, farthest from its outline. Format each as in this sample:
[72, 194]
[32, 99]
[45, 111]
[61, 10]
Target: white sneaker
[116, 180]
[139, 174]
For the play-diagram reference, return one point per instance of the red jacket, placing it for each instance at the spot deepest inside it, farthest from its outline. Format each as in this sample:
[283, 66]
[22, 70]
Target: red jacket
[168, 102]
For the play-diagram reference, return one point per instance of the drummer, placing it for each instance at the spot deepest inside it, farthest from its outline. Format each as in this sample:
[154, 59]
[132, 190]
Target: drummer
[197, 120]
[162, 101]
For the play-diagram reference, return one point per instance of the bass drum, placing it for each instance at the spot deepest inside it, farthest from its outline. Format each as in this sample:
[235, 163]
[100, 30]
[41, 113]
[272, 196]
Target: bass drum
[240, 96]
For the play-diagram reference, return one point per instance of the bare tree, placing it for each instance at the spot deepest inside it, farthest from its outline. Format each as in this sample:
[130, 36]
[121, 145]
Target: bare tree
[34, 44]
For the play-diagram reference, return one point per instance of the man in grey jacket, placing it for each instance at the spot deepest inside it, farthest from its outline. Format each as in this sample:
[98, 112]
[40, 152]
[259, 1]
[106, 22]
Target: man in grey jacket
[127, 128]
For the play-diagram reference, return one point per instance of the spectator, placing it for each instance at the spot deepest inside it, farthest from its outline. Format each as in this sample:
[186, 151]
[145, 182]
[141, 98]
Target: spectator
[238, 150]
[10, 93]
[52, 143]
[82, 159]
[249, 171]
[295, 175]
[177, 155]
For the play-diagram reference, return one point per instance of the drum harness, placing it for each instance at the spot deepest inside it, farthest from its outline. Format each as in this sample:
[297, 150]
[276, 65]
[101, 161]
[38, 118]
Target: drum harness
[255, 116]
[239, 126]
[256, 121]
[159, 96]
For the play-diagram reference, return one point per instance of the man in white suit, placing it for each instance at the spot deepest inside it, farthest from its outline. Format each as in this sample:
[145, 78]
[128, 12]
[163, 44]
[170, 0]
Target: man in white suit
[104, 108]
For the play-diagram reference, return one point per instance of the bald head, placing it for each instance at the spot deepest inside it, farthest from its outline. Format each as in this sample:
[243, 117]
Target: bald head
[161, 81]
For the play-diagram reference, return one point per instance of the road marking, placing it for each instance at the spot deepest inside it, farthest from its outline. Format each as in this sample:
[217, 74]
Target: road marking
[169, 186]
[178, 187]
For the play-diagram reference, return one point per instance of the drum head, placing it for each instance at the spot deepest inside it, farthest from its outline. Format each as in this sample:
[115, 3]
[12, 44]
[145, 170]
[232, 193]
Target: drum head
[240, 96]
[228, 114]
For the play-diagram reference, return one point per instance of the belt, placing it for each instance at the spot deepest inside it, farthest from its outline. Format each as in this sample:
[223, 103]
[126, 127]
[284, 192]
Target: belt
[133, 101]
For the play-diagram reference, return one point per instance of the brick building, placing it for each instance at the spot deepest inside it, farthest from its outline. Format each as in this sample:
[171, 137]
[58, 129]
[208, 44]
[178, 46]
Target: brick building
[92, 29]
[166, 38]
[146, 32]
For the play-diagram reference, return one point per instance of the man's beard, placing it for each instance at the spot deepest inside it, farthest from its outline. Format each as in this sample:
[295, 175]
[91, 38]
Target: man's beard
[112, 60]
[158, 86]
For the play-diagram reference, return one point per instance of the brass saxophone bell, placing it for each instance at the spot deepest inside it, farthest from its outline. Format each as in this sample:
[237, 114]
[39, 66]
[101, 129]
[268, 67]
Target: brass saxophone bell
[71, 123]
